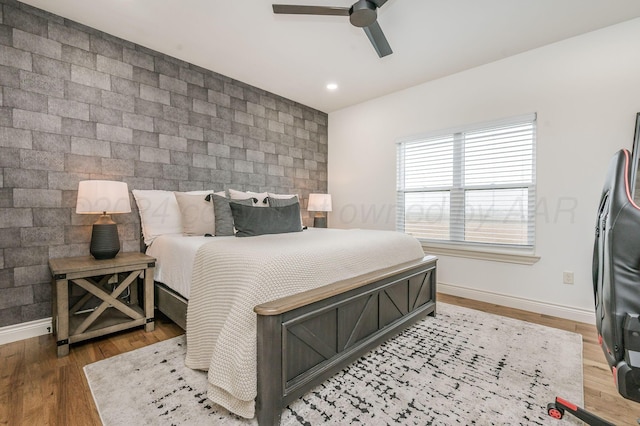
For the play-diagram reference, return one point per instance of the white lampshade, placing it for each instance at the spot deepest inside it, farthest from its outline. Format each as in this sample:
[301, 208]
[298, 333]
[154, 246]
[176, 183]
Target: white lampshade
[319, 203]
[102, 197]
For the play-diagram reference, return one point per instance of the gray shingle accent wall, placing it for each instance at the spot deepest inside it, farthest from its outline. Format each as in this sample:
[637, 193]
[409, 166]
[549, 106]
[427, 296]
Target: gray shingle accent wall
[76, 104]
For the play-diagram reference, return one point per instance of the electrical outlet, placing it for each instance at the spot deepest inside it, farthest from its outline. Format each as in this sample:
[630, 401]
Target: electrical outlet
[567, 277]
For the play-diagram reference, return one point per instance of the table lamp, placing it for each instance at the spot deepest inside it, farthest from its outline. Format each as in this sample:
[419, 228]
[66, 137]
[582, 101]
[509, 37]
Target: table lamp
[103, 197]
[319, 203]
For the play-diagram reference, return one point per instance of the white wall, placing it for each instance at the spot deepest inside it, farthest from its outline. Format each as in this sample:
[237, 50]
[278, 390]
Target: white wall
[586, 92]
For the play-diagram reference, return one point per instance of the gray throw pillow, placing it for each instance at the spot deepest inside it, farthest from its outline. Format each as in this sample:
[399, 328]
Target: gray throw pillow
[282, 202]
[222, 212]
[251, 221]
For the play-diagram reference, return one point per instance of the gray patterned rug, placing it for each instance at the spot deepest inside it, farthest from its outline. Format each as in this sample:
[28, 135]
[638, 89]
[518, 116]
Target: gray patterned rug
[462, 367]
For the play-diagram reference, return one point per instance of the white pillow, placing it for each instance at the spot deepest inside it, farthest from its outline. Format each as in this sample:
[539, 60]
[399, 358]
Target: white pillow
[159, 212]
[241, 195]
[283, 196]
[197, 214]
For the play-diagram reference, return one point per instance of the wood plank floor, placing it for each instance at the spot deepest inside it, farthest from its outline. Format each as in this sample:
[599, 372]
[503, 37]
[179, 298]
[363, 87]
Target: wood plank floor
[38, 388]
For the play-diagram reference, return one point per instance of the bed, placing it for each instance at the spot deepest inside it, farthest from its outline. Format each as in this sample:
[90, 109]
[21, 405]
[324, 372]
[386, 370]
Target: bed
[278, 321]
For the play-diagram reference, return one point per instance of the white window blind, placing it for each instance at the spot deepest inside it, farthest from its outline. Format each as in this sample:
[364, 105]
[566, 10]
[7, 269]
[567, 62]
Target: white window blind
[473, 185]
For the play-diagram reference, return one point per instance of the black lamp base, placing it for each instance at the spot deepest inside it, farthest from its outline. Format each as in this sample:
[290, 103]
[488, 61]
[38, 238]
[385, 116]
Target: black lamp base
[105, 243]
[320, 222]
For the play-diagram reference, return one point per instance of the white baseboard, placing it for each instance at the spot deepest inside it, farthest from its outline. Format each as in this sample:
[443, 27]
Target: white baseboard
[25, 330]
[560, 311]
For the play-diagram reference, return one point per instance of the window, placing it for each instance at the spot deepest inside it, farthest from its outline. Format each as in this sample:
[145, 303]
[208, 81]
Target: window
[474, 185]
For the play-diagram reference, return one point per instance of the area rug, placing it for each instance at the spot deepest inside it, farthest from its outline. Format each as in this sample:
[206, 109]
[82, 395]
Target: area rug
[461, 367]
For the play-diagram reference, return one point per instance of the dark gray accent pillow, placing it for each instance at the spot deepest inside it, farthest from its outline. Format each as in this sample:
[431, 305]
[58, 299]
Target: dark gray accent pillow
[282, 202]
[252, 221]
[222, 212]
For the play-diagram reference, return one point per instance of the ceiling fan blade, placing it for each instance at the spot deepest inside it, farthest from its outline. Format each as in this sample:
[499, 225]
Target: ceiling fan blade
[292, 9]
[377, 38]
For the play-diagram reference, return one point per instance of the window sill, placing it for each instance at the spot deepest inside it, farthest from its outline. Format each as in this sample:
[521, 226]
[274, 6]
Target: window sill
[481, 254]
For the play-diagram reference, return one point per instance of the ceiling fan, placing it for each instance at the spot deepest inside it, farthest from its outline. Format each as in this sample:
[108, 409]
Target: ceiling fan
[362, 14]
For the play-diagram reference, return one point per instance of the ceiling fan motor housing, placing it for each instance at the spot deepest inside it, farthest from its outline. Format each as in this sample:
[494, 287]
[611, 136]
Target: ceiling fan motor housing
[363, 13]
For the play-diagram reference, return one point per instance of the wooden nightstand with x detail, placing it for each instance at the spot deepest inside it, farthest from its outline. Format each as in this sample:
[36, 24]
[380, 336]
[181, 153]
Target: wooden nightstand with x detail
[105, 280]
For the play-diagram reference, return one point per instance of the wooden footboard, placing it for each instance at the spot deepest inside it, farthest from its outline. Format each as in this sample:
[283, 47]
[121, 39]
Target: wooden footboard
[306, 338]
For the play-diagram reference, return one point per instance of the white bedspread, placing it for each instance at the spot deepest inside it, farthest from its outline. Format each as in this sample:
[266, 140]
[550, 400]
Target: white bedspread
[233, 275]
[175, 254]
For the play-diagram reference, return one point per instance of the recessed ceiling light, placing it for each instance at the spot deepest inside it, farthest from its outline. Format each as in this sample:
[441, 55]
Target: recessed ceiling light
[332, 86]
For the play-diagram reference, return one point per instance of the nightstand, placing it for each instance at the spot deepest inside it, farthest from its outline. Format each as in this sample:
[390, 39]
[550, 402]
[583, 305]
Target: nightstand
[106, 280]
